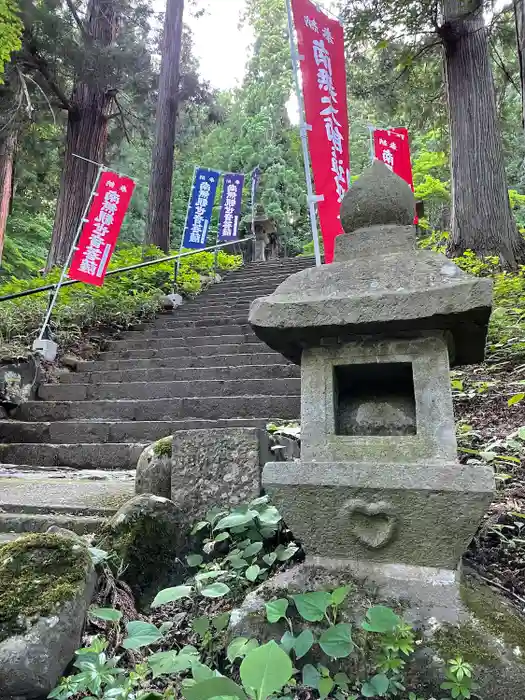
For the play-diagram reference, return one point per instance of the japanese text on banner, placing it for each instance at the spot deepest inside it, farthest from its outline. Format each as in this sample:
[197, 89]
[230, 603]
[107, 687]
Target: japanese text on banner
[320, 43]
[230, 206]
[392, 146]
[101, 229]
[200, 208]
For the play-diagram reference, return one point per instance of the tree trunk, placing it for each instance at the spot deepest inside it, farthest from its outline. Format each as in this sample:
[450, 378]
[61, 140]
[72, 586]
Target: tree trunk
[519, 18]
[87, 132]
[160, 186]
[481, 219]
[7, 159]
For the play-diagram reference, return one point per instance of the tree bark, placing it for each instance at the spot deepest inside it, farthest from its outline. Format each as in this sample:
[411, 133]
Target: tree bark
[519, 19]
[160, 186]
[7, 159]
[481, 218]
[87, 132]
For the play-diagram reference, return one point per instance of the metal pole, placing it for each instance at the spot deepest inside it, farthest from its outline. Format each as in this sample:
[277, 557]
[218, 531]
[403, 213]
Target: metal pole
[67, 263]
[303, 127]
[371, 130]
[177, 266]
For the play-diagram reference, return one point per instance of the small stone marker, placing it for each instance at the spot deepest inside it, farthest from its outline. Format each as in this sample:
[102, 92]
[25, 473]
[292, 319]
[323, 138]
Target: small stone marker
[379, 490]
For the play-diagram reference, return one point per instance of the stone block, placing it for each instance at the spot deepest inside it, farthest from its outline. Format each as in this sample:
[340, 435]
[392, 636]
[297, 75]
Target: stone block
[215, 467]
[377, 400]
[418, 514]
[154, 469]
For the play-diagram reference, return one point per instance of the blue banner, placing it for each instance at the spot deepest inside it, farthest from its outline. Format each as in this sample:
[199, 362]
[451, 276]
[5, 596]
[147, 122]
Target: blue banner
[230, 207]
[198, 216]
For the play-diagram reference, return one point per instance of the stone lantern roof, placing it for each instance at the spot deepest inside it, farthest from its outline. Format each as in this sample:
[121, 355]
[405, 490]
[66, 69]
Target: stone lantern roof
[380, 283]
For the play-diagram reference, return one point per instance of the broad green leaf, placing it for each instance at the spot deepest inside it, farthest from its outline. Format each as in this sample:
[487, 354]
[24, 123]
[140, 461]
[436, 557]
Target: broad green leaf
[216, 590]
[194, 559]
[266, 670]
[221, 537]
[165, 627]
[339, 595]
[235, 648]
[236, 519]
[109, 614]
[311, 676]
[214, 688]
[521, 433]
[207, 575]
[285, 553]
[220, 622]
[342, 680]
[287, 641]
[303, 643]
[167, 662]
[377, 685]
[201, 625]
[276, 609]
[270, 558]
[260, 501]
[380, 619]
[325, 686]
[238, 562]
[270, 516]
[200, 672]
[168, 595]
[199, 526]
[252, 572]
[252, 549]
[140, 634]
[516, 398]
[336, 641]
[312, 606]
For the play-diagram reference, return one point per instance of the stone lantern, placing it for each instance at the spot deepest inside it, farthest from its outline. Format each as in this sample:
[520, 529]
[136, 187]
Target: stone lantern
[378, 489]
[264, 229]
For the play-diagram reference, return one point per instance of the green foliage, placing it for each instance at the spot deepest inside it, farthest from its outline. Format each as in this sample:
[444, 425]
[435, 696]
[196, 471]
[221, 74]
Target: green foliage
[123, 300]
[11, 29]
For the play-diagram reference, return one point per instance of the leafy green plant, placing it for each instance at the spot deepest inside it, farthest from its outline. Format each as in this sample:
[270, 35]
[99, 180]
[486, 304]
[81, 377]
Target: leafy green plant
[459, 678]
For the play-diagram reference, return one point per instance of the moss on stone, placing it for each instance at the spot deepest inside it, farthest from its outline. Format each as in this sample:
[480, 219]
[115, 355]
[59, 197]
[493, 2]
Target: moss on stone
[495, 613]
[37, 574]
[163, 447]
[466, 641]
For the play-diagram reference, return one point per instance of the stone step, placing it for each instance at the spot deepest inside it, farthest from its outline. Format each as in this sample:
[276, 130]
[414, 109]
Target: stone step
[190, 341]
[162, 389]
[287, 407]
[243, 358]
[21, 523]
[91, 455]
[171, 321]
[185, 374]
[151, 331]
[84, 431]
[199, 351]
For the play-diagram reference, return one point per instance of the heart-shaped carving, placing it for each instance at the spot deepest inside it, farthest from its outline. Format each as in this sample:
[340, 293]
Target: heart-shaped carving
[373, 524]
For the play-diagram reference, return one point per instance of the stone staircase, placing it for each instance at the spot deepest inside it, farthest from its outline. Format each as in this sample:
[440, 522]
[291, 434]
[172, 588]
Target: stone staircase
[69, 458]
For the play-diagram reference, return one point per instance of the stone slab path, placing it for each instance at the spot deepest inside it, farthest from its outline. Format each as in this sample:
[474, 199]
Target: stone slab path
[69, 457]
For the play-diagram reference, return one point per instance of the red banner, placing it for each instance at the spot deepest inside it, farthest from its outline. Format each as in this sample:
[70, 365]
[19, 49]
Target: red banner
[100, 232]
[393, 148]
[320, 43]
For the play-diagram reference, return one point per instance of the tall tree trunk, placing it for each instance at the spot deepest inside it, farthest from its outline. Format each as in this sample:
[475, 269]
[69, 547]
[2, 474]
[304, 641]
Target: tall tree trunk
[482, 219]
[7, 159]
[87, 132]
[519, 18]
[160, 186]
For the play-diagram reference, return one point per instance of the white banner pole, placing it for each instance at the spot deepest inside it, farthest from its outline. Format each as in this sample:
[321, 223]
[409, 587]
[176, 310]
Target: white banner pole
[63, 274]
[303, 128]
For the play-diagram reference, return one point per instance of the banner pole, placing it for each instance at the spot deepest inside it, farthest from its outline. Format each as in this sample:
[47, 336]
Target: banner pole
[371, 130]
[303, 128]
[63, 274]
[177, 264]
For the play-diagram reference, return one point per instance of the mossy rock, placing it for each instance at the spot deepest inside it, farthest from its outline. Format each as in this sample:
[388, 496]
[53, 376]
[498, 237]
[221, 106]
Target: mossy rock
[37, 574]
[148, 539]
[46, 585]
[154, 468]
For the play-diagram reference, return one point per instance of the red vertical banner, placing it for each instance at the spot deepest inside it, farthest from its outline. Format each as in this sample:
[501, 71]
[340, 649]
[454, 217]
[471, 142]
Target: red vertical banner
[393, 148]
[101, 228]
[320, 44]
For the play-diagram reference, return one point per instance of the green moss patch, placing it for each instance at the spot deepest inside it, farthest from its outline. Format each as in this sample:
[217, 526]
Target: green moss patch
[163, 447]
[38, 573]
